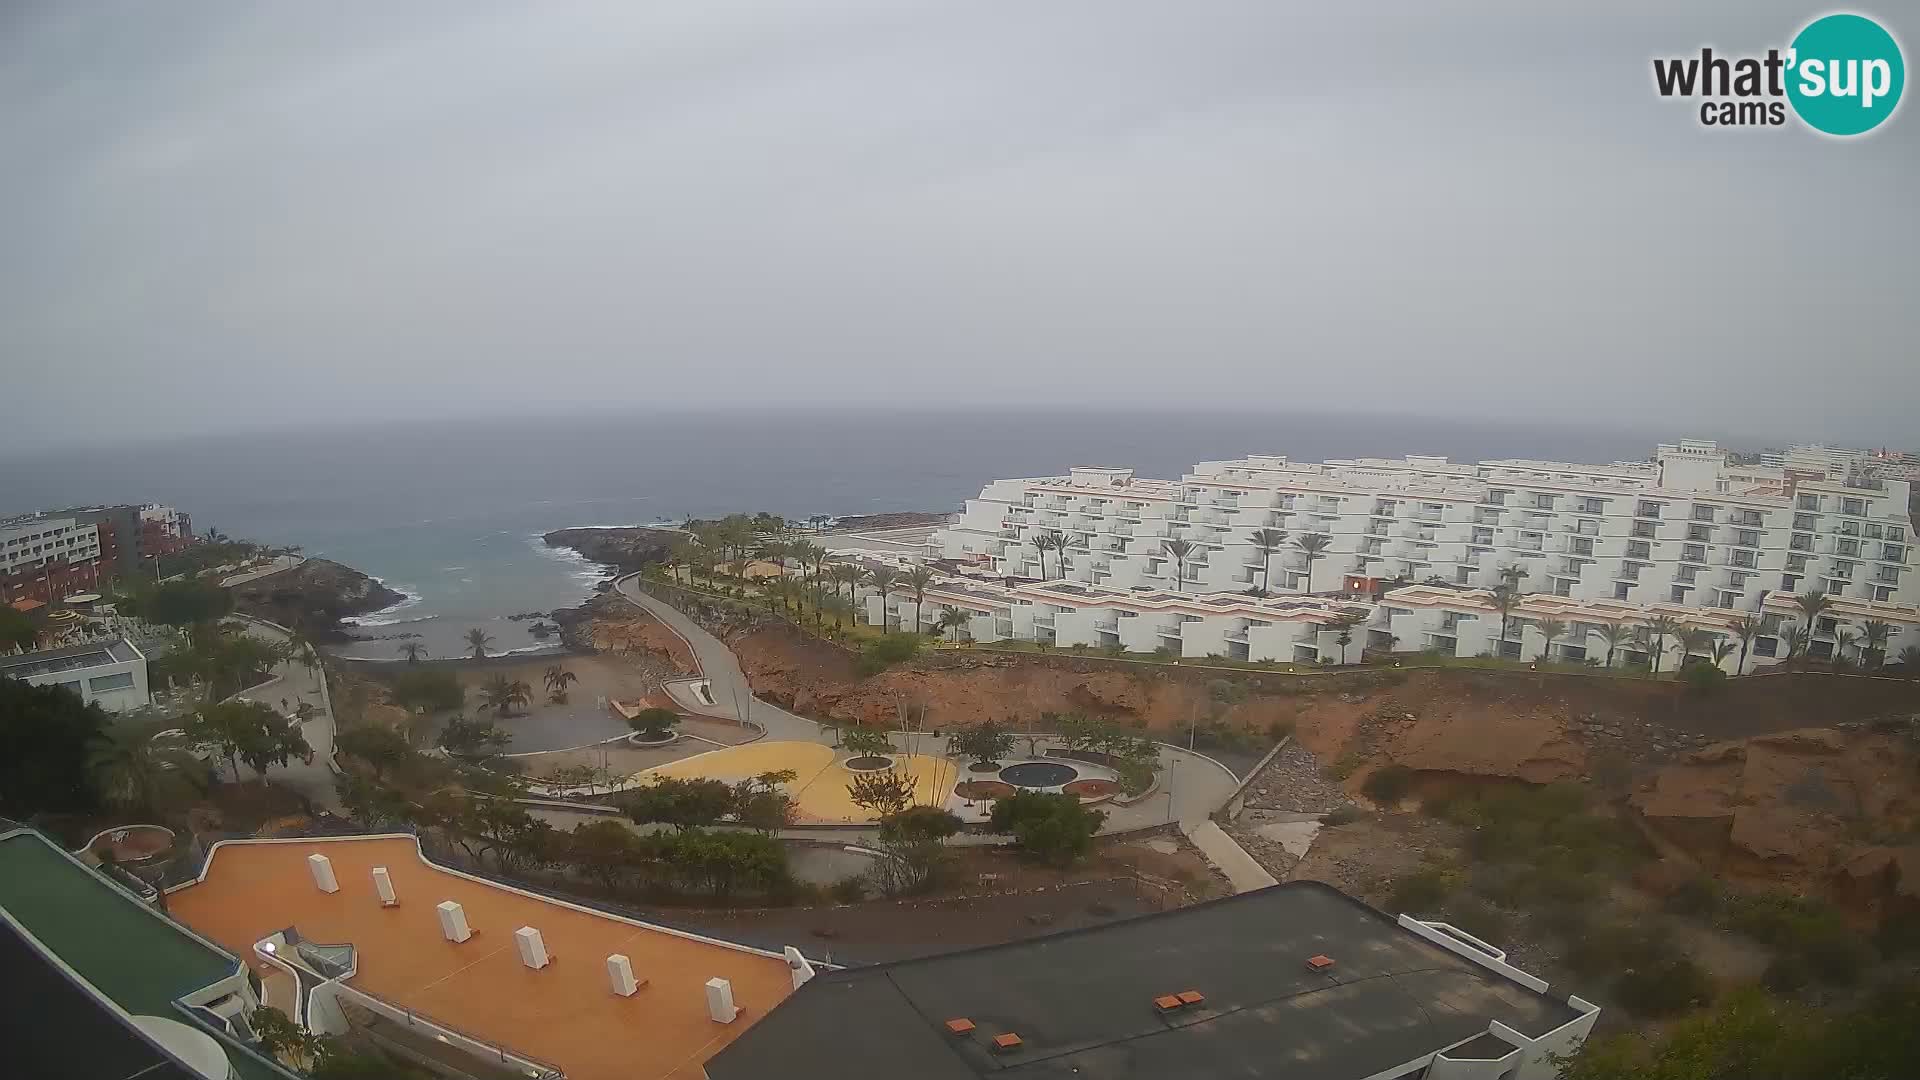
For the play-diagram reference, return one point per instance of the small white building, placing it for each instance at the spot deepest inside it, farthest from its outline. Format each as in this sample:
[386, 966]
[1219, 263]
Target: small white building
[111, 674]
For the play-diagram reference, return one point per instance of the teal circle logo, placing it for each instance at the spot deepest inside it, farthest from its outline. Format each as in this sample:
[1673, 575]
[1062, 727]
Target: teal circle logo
[1845, 74]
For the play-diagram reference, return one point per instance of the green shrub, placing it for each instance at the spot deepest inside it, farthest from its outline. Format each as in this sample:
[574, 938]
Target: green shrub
[849, 890]
[1346, 766]
[1422, 891]
[1388, 784]
[1789, 972]
[1674, 985]
[886, 651]
[1701, 677]
[1479, 918]
[1697, 897]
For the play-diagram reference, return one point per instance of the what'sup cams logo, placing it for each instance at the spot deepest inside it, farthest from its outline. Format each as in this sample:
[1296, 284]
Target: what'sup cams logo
[1842, 75]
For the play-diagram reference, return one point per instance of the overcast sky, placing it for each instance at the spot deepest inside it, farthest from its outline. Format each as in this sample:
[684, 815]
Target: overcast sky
[249, 213]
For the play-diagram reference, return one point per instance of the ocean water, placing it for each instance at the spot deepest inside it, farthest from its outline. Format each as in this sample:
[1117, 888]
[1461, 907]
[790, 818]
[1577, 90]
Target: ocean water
[451, 512]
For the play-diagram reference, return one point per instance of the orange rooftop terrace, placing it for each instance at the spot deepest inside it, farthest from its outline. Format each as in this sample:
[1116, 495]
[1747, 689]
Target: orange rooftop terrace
[565, 1013]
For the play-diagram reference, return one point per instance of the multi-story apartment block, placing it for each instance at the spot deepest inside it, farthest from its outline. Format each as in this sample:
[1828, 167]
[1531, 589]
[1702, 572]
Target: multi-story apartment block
[46, 558]
[1687, 532]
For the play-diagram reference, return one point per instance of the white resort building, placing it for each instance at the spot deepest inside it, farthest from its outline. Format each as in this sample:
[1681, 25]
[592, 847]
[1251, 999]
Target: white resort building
[1412, 548]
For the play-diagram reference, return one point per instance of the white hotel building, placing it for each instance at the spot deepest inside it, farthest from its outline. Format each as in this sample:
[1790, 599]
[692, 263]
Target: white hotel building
[1688, 535]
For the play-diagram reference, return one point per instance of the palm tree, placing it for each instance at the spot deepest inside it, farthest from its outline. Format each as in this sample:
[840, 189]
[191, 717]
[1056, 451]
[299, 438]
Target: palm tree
[849, 575]
[1552, 628]
[952, 618]
[1844, 639]
[1746, 628]
[478, 640]
[882, 581]
[1722, 648]
[917, 579]
[1909, 658]
[413, 651]
[1179, 549]
[1345, 625]
[816, 554]
[1873, 641]
[1266, 542]
[1812, 605]
[501, 694]
[678, 555]
[1043, 542]
[1511, 575]
[129, 772]
[1312, 545]
[1796, 639]
[1694, 640]
[1056, 543]
[1615, 634]
[1658, 631]
[557, 678]
[1505, 598]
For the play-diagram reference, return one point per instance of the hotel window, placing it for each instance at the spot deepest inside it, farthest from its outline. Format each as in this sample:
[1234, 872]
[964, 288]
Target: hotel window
[1801, 542]
[1810, 502]
[1643, 528]
[1847, 547]
[1582, 546]
[1826, 626]
[1693, 553]
[1842, 569]
[1788, 582]
[1746, 538]
[1647, 510]
[1803, 521]
[1856, 507]
[1620, 589]
[1797, 563]
[121, 681]
[1542, 501]
[1593, 506]
[1729, 599]
[1703, 513]
[1882, 593]
[1895, 534]
[1741, 558]
[1697, 532]
[1893, 552]
[1639, 549]
[1686, 574]
[1678, 594]
[1887, 574]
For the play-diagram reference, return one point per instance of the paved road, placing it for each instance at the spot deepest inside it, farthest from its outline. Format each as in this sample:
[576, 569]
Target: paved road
[293, 684]
[1198, 784]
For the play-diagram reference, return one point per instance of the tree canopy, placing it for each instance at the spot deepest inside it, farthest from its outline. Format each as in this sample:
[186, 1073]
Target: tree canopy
[45, 736]
[1053, 828]
[426, 690]
[683, 804]
[183, 602]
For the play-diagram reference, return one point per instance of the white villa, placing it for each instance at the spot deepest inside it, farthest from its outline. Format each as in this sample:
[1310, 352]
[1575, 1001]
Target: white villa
[1688, 535]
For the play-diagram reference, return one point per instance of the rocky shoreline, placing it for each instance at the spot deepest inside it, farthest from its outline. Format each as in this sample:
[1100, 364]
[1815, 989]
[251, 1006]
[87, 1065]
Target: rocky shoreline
[628, 548]
[314, 597]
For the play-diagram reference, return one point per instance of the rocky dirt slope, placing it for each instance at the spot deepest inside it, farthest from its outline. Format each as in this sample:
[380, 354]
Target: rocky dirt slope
[1812, 808]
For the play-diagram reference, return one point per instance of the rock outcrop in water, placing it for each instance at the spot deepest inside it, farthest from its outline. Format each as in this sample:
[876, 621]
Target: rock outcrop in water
[314, 597]
[626, 548]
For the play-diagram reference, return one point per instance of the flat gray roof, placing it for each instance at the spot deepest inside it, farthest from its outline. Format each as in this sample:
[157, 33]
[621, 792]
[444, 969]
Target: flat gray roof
[71, 658]
[1083, 1002]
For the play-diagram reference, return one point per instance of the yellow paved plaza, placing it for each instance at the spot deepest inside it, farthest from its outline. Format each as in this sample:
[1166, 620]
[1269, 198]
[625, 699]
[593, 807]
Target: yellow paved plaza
[820, 790]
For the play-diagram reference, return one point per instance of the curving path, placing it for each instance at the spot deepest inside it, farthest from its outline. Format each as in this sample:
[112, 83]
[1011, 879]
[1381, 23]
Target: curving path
[1192, 786]
[294, 683]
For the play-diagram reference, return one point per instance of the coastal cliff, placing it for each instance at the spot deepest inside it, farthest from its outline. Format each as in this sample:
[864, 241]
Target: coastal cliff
[626, 548]
[314, 596]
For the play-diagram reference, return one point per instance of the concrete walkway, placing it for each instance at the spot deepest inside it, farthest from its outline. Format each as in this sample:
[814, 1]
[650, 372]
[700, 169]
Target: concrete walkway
[1228, 857]
[295, 684]
[1192, 786]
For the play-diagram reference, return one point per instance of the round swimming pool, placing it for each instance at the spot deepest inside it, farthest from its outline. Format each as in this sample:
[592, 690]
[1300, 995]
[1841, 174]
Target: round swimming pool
[1038, 774]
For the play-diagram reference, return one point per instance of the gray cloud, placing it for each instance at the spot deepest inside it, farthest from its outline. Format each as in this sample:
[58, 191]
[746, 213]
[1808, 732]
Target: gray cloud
[303, 212]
